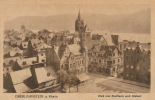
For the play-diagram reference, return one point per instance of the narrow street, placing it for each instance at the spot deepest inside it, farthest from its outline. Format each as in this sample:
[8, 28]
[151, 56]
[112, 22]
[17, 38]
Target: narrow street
[102, 84]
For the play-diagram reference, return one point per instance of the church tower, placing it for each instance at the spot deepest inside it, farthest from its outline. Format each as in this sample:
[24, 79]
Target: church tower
[79, 24]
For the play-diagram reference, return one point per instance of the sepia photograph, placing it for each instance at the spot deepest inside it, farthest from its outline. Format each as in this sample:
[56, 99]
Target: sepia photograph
[77, 48]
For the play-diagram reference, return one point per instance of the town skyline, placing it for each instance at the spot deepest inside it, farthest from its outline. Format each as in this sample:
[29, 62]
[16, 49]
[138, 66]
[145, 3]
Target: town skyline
[72, 60]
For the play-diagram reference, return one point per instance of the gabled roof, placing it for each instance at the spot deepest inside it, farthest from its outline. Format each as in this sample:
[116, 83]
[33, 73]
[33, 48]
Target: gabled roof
[25, 44]
[21, 75]
[42, 75]
[108, 39]
[75, 49]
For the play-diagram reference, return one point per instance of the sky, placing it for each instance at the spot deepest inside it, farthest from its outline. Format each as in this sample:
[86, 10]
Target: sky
[11, 9]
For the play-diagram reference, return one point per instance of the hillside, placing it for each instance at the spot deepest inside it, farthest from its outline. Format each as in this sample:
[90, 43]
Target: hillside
[138, 22]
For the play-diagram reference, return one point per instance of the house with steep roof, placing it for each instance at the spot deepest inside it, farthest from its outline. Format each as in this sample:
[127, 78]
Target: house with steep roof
[43, 78]
[68, 57]
[105, 59]
[137, 62]
[24, 63]
[19, 84]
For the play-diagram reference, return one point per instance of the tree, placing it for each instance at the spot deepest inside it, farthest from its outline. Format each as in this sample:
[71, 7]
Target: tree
[73, 81]
[62, 77]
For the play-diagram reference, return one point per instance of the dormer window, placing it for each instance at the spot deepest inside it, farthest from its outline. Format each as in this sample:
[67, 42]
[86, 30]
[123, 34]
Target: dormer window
[43, 60]
[24, 62]
[48, 74]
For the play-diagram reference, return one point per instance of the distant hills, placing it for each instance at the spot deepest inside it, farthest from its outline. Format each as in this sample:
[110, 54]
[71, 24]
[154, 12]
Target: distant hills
[138, 22]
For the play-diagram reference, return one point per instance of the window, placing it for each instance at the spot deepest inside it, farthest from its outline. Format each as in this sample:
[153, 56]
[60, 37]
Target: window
[24, 62]
[118, 60]
[113, 61]
[110, 55]
[131, 67]
[48, 74]
[33, 62]
[90, 59]
[100, 60]
[113, 54]
[81, 69]
[131, 59]
[43, 60]
[82, 62]
[120, 46]
[42, 54]
[109, 63]
[61, 66]
[127, 58]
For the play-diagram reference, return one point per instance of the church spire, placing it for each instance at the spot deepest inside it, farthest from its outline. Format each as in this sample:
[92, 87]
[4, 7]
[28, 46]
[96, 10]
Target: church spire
[79, 16]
